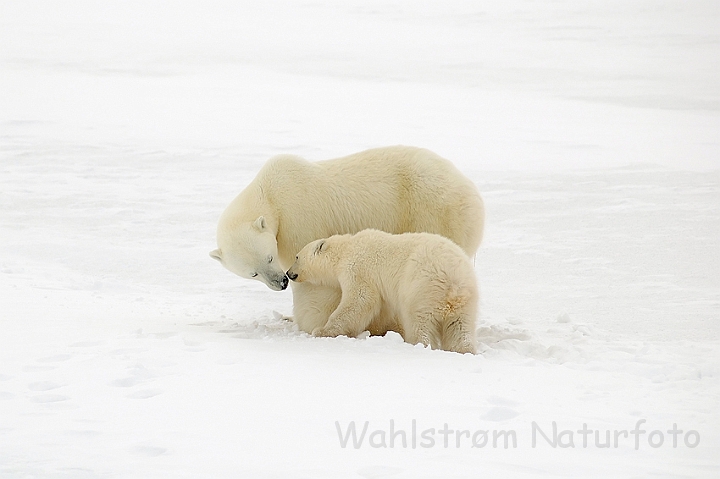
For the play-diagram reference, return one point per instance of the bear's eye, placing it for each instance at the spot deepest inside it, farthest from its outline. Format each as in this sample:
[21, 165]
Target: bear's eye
[253, 275]
[270, 259]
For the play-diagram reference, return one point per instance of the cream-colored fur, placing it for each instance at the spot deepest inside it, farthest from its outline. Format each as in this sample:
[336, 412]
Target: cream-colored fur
[423, 280]
[292, 202]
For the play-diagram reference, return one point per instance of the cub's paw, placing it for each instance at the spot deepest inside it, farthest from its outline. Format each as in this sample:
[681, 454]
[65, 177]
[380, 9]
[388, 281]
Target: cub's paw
[325, 332]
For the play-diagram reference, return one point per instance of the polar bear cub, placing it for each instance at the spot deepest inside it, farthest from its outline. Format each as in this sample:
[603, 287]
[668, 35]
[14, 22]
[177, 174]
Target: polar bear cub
[422, 280]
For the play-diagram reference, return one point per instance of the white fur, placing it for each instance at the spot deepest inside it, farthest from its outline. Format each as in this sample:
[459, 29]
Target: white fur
[396, 189]
[423, 280]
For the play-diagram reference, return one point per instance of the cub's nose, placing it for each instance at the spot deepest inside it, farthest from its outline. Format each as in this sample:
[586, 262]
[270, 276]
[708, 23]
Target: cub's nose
[291, 275]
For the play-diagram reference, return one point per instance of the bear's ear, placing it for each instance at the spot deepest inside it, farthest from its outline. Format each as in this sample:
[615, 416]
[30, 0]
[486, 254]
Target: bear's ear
[216, 254]
[319, 247]
[260, 224]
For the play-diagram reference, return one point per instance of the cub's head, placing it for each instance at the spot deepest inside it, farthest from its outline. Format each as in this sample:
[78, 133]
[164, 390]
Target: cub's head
[314, 263]
[250, 251]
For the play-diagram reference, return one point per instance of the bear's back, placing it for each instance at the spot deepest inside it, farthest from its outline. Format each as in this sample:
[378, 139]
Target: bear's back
[394, 189]
[408, 267]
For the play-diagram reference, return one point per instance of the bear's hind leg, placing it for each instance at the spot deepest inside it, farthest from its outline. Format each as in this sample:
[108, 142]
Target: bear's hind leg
[421, 326]
[459, 334]
[458, 324]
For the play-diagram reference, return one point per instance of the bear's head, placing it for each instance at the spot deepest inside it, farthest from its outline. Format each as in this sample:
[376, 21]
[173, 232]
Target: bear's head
[250, 251]
[314, 263]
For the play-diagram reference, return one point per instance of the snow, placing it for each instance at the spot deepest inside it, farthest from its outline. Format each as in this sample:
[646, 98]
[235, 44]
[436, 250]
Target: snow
[591, 130]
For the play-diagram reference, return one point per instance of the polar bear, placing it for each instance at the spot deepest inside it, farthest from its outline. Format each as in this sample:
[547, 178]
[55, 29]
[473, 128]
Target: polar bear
[424, 281]
[292, 202]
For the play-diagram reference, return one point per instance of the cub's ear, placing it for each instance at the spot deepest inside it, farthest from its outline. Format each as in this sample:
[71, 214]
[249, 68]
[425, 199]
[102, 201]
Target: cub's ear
[319, 247]
[260, 224]
[216, 254]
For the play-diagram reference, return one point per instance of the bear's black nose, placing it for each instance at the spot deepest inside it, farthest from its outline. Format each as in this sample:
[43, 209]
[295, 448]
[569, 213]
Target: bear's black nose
[284, 282]
[291, 275]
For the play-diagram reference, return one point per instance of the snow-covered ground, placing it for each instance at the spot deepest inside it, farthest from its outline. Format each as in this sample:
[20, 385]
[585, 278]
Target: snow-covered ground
[591, 129]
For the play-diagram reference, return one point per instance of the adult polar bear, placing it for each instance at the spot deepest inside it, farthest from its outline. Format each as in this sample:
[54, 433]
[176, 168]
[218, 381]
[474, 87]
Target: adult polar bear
[292, 202]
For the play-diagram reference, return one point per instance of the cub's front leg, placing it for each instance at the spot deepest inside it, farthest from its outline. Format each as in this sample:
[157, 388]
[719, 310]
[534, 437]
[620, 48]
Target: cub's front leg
[313, 305]
[358, 306]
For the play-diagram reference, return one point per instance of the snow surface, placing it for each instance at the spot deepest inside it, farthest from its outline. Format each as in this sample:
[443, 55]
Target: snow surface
[591, 129]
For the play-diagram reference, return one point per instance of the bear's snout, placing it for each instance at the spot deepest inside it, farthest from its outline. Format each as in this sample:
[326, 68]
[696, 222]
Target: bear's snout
[276, 283]
[292, 275]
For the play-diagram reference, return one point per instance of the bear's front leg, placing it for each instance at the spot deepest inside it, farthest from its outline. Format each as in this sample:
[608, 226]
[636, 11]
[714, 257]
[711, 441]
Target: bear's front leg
[313, 304]
[357, 308]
